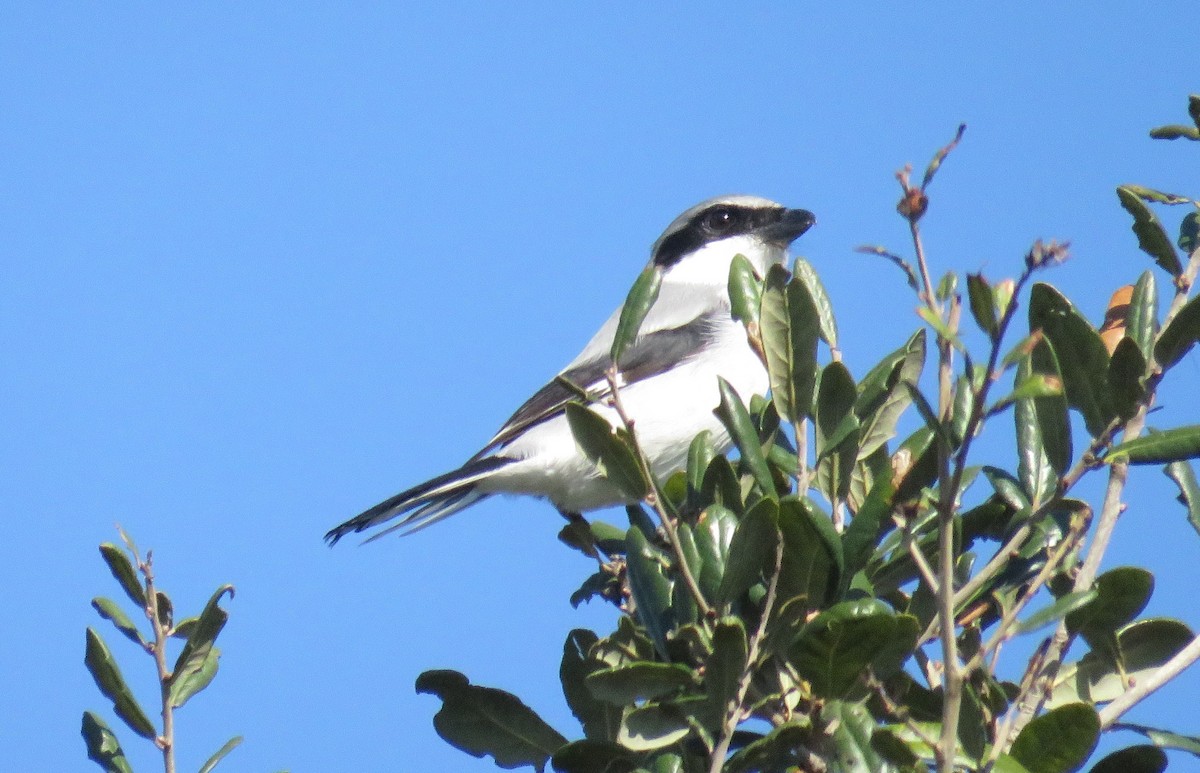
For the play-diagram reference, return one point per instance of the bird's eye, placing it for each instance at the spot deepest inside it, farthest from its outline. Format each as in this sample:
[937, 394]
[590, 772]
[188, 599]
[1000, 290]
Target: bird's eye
[719, 220]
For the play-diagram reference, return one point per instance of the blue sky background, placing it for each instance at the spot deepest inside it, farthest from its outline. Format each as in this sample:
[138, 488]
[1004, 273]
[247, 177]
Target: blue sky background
[265, 265]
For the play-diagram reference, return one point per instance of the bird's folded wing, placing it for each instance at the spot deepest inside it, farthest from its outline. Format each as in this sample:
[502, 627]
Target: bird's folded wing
[651, 354]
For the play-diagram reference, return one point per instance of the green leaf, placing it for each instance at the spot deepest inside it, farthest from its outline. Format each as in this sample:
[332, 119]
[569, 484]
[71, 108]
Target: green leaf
[1171, 445]
[751, 551]
[1037, 475]
[834, 649]
[790, 327]
[212, 761]
[983, 304]
[1081, 355]
[714, 537]
[103, 748]
[1142, 648]
[1194, 108]
[635, 682]
[592, 756]
[721, 486]
[1189, 490]
[940, 327]
[608, 449]
[813, 560]
[774, 751]
[123, 571]
[1121, 595]
[804, 272]
[599, 719]
[847, 745]
[1175, 132]
[837, 431]
[653, 726]
[641, 298]
[108, 609]
[1189, 233]
[1058, 610]
[1152, 237]
[1133, 759]
[733, 414]
[745, 290]
[700, 456]
[1164, 739]
[883, 396]
[1125, 372]
[1178, 337]
[193, 668]
[1059, 741]
[725, 665]
[104, 670]
[1142, 322]
[1054, 423]
[486, 721]
[1158, 197]
[650, 588]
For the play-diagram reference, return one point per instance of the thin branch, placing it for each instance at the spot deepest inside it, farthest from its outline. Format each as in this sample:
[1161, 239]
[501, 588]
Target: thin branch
[1168, 671]
[166, 741]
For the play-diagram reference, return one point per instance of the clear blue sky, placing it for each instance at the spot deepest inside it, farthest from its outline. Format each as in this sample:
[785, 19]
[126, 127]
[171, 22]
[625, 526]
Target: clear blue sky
[265, 265]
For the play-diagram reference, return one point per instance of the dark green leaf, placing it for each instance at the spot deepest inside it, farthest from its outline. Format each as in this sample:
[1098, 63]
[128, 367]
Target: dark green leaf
[1142, 322]
[1038, 477]
[714, 536]
[1174, 132]
[1125, 372]
[1158, 197]
[1171, 445]
[122, 569]
[625, 685]
[592, 756]
[725, 666]
[1179, 336]
[834, 649]
[183, 628]
[1152, 238]
[608, 449]
[104, 670]
[751, 551]
[813, 561]
[983, 304]
[1081, 355]
[972, 724]
[1189, 233]
[641, 298]
[599, 719]
[790, 327]
[212, 761]
[486, 721]
[1189, 490]
[1165, 739]
[1133, 759]
[847, 744]
[745, 290]
[837, 431]
[904, 364]
[1142, 648]
[733, 414]
[721, 485]
[1122, 594]
[1054, 423]
[776, 751]
[108, 609]
[1061, 607]
[650, 588]
[103, 748]
[1059, 741]
[805, 273]
[193, 669]
[653, 726]
[700, 456]
[1194, 108]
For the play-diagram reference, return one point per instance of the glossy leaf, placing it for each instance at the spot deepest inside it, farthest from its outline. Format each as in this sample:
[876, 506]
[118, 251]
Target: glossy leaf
[124, 573]
[753, 545]
[1189, 489]
[637, 305]
[714, 537]
[1152, 237]
[725, 665]
[837, 431]
[103, 748]
[1059, 741]
[721, 484]
[834, 649]
[850, 729]
[883, 395]
[1142, 646]
[650, 588]
[605, 447]
[599, 719]
[700, 455]
[1179, 336]
[211, 762]
[1126, 370]
[1133, 759]
[653, 727]
[1081, 355]
[1142, 322]
[1171, 445]
[635, 682]
[804, 272]
[1037, 475]
[790, 327]
[193, 669]
[813, 561]
[104, 671]
[1054, 423]
[774, 751]
[745, 290]
[592, 756]
[733, 414]
[109, 610]
[485, 721]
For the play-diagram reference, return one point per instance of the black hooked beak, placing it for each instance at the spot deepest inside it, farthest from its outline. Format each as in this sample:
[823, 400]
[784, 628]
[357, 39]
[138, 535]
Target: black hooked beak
[789, 226]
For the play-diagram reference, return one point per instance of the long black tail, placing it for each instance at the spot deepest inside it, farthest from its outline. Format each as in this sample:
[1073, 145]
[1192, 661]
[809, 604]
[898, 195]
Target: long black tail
[426, 503]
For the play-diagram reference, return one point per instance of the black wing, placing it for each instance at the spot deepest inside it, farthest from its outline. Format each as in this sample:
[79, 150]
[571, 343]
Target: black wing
[650, 355]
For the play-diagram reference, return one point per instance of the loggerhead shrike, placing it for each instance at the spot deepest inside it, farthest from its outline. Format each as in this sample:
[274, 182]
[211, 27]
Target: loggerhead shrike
[668, 381]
